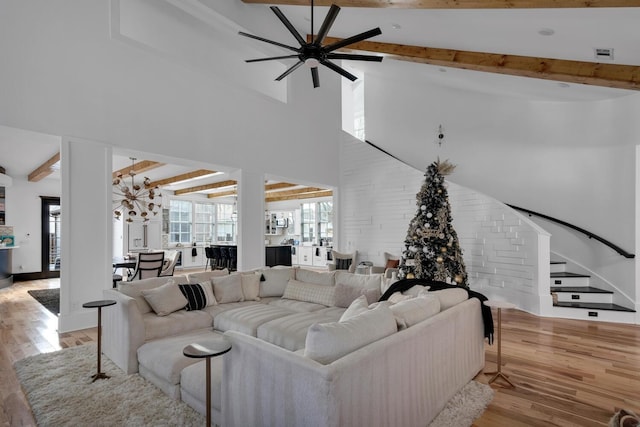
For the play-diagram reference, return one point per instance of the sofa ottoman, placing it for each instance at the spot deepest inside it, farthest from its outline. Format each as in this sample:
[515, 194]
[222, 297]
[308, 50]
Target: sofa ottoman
[161, 361]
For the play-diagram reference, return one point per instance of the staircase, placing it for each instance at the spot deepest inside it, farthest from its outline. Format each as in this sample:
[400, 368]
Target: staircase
[575, 298]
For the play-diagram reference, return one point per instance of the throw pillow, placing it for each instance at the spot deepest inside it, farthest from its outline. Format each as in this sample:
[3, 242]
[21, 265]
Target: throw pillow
[134, 288]
[316, 277]
[346, 294]
[251, 286]
[343, 263]
[165, 299]
[309, 292]
[326, 342]
[415, 310]
[228, 288]
[397, 297]
[275, 281]
[392, 263]
[450, 297]
[358, 306]
[206, 275]
[195, 295]
[415, 290]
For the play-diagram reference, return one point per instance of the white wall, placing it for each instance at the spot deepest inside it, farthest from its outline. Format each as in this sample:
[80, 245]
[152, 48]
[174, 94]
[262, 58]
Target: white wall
[24, 207]
[64, 75]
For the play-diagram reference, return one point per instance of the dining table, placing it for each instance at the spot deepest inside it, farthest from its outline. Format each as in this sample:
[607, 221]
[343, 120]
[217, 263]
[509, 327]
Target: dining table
[125, 263]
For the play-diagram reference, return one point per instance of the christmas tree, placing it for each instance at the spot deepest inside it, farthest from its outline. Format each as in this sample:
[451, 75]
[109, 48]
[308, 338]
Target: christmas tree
[432, 250]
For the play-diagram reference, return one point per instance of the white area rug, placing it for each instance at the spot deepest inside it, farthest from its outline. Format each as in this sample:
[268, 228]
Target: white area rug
[465, 406]
[59, 389]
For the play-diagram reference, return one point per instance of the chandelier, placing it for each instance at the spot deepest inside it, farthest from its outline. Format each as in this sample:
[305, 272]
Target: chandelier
[136, 201]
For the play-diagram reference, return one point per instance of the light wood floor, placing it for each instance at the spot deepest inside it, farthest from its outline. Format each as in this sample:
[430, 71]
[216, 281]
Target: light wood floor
[567, 372]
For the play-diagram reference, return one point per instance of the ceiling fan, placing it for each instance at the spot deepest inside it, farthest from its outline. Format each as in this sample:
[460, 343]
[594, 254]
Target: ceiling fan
[314, 53]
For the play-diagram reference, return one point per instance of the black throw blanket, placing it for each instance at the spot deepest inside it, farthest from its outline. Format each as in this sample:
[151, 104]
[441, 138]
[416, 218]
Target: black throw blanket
[434, 285]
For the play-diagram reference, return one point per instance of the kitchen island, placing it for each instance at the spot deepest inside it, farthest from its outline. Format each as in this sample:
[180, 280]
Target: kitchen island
[277, 255]
[6, 272]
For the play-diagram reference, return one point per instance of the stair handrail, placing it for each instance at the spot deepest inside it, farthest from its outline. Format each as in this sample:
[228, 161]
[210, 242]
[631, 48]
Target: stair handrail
[589, 234]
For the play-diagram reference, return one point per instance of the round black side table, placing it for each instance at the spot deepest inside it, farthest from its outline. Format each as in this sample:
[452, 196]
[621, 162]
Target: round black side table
[206, 350]
[99, 304]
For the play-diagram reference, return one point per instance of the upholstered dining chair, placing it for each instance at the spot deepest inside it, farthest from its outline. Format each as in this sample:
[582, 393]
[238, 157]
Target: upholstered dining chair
[343, 261]
[149, 264]
[169, 263]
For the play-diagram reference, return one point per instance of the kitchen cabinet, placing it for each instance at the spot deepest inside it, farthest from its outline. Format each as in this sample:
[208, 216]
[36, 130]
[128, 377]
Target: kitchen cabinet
[187, 260]
[277, 255]
[144, 236]
[305, 255]
[320, 256]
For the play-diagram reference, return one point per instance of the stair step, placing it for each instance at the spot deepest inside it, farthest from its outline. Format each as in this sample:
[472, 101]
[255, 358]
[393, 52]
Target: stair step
[595, 306]
[580, 289]
[558, 266]
[565, 279]
[581, 294]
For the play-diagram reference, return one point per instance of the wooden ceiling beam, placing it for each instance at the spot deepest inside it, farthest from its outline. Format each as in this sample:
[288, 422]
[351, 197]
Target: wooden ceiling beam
[278, 186]
[459, 4]
[139, 167]
[222, 194]
[183, 177]
[213, 186]
[591, 73]
[44, 169]
[293, 192]
[276, 198]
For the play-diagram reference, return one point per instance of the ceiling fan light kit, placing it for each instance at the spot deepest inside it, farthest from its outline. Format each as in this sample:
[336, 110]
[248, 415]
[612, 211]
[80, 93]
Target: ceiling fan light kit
[313, 54]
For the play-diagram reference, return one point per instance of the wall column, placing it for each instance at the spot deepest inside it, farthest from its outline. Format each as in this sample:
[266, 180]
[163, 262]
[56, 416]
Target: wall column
[250, 220]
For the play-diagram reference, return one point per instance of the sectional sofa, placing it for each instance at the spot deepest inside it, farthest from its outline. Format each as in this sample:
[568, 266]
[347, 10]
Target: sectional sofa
[308, 348]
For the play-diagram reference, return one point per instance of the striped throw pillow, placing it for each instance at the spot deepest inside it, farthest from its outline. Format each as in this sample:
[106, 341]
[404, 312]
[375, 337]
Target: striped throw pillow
[195, 295]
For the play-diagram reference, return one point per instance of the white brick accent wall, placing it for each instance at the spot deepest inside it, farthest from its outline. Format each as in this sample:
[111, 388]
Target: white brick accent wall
[506, 254]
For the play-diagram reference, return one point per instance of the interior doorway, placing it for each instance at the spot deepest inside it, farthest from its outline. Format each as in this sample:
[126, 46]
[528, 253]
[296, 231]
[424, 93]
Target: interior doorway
[50, 220]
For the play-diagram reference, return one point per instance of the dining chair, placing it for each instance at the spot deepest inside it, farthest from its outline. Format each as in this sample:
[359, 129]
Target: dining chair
[216, 258]
[169, 263]
[149, 264]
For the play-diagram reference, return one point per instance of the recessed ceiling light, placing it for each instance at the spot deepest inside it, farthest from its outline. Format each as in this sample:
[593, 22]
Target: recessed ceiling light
[396, 26]
[546, 32]
[442, 70]
[563, 84]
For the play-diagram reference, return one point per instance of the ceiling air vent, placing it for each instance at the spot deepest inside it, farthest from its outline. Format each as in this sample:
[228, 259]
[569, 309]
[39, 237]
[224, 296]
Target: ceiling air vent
[603, 54]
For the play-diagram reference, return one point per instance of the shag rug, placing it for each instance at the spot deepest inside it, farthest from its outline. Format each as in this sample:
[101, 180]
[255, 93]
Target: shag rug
[49, 298]
[59, 389]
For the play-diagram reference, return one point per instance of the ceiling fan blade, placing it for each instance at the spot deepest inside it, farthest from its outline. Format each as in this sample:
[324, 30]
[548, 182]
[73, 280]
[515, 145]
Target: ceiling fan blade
[315, 77]
[289, 71]
[354, 57]
[289, 25]
[338, 69]
[353, 39]
[251, 36]
[271, 58]
[326, 24]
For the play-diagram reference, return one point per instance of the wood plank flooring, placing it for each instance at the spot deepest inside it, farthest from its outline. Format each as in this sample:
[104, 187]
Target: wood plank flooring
[567, 372]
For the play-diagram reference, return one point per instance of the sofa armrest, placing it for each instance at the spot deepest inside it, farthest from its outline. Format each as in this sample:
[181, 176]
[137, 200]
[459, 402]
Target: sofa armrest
[264, 384]
[122, 331]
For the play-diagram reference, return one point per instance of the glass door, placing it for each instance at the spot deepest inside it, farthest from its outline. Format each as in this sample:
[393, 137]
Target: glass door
[51, 236]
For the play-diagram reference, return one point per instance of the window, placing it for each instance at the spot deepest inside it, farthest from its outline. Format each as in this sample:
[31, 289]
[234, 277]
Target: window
[180, 221]
[226, 229]
[325, 221]
[201, 222]
[205, 222]
[308, 222]
[317, 222]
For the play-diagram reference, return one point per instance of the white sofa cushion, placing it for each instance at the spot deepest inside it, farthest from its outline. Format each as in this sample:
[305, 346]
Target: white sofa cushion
[327, 342]
[316, 277]
[415, 310]
[450, 297]
[309, 292]
[247, 319]
[206, 275]
[350, 286]
[290, 332]
[228, 288]
[297, 306]
[133, 289]
[358, 306]
[165, 299]
[275, 281]
[251, 286]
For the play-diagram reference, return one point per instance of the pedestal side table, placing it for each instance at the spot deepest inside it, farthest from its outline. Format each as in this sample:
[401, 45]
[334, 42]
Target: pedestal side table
[99, 304]
[499, 305]
[206, 350]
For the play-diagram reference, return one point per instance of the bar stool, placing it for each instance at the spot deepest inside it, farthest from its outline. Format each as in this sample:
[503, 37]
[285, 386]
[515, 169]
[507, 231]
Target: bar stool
[224, 257]
[216, 256]
[208, 252]
[233, 258]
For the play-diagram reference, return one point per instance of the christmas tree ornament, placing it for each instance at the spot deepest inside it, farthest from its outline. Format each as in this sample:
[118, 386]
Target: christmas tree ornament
[429, 214]
[458, 279]
[439, 259]
[425, 249]
[443, 249]
[423, 207]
